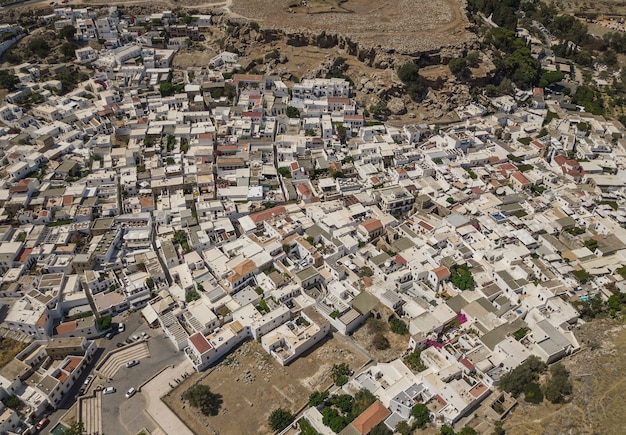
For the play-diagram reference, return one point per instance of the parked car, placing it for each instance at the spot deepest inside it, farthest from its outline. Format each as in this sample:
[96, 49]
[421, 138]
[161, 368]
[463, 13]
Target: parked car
[129, 340]
[136, 337]
[131, 392]
[42, 423]
[120, 327]
[109, 335]
[144, 334]
[109, 390]
[119, 344]
[81, 391]
[89, 378]
[132, 363]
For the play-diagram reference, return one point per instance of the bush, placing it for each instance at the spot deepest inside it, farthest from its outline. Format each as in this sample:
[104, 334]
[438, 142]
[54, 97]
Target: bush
[306, 428]
[279, 419]
[398, 326]
[380, 342]
[515, 381]
[200, 396]
[292, 112]
[12, 402]
[414, 361]
[559, 385]
[461, 277]
[409, 73]
[363, 399]
[316, 398]
[421, 415]
[532, 393]
[191, 296]
[339, 373]
[457, 65]
[103, 322]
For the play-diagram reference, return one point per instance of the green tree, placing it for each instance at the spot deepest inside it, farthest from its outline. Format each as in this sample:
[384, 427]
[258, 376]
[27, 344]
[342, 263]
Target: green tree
[446, 430]
[12, 402]
[343, 402]
[363, 399]
[409, 73]
[335, 421]
[170, 161]
[76, 428]
[558, 385]
[200, 396]
[306, 428]
[461, 277]
[403, 428]
[150, 283]
[515, 381]
[380, 429]
[398, 326]
[68, 50]
[166, 89]
[316, 398]
[414, 361]
[533, 393]
[39, 46]
[279, 419]
[8, 81]
[192, 295]
[421, 415]
[67, 32]
[457, 65]
[103, 322]
[292, 112]
[339, 373]
[468, 431]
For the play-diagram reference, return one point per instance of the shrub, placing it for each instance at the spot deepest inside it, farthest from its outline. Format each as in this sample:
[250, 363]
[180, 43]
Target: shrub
[532, 393]
[398, 326]
[380, 342]
[279, 419]
[421, 415]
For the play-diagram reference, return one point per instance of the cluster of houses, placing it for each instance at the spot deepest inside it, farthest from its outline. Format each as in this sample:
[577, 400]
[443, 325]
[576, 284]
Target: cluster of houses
[237, 207]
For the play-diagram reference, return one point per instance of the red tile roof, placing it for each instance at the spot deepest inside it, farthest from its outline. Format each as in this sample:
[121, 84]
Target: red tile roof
[371, 417]
[64, 328]
[267, 214]
[200, 342]
[372, 225]
[441, 272]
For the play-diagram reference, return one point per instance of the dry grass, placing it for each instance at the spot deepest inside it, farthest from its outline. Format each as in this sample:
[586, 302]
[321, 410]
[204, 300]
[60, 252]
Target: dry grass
[598, 402]
[9, 348]
[252, 384]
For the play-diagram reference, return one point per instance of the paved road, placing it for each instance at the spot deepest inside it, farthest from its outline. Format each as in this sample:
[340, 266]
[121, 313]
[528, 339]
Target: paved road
[157, 388]
[118, 360]
[127, 416]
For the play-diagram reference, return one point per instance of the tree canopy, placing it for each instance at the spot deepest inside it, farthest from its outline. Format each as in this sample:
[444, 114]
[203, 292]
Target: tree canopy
[339, 373]
[279, 419]
[421, 414]
[67, 32]
[200, 396]
[515, 381]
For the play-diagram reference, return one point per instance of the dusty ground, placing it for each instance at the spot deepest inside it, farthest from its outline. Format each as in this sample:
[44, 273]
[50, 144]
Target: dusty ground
[253, 384]
[9, 348]
[397, 343]
[410, 25]
[598, 402]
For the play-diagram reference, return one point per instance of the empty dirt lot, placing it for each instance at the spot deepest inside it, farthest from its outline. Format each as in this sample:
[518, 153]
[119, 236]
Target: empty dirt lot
[406, 25]
[252, 384]
[598, 402]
